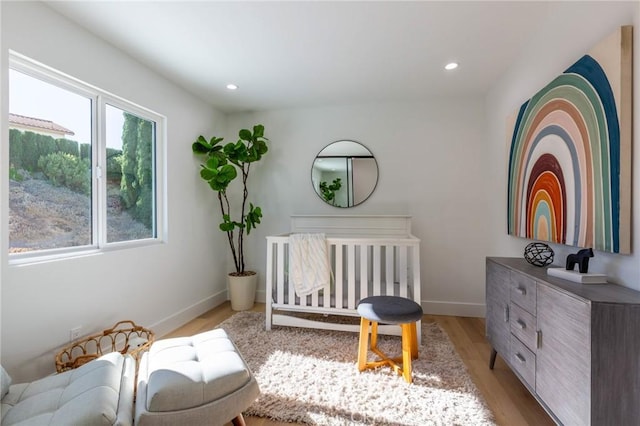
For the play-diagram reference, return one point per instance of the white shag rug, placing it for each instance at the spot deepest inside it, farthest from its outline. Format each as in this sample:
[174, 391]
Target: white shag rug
[310, 376]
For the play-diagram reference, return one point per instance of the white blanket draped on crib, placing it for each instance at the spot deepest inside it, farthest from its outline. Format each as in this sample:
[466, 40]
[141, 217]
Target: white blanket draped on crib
[309, 268]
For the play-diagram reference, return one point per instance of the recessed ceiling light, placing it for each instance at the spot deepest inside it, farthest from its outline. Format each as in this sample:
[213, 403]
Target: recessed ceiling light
[231, 86]
[451, 66]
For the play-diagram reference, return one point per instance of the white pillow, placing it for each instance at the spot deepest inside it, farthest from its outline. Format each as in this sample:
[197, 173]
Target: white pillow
[5, 381]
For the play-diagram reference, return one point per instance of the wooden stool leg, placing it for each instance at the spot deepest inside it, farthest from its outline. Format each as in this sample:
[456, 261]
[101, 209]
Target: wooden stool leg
[414, 341]
[374, 335]
[407, 351]
[364, 342]
[238, 420]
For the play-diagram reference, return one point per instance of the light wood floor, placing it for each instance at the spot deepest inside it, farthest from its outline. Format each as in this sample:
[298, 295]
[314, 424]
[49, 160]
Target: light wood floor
[507, 398]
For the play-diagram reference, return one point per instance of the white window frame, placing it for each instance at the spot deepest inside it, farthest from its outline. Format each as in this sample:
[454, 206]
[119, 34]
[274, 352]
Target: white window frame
[99, 99]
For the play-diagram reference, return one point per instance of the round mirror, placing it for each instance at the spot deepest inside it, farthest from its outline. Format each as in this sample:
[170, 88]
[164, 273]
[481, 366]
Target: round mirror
[344, 173]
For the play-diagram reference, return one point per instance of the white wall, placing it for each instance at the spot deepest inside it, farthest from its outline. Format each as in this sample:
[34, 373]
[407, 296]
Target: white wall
[571, 30]
[431, 158]
[441, 161]
[161, 286]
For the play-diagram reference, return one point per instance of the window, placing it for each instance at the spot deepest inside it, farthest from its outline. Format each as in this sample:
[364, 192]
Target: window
[83, 169]
[129, 175]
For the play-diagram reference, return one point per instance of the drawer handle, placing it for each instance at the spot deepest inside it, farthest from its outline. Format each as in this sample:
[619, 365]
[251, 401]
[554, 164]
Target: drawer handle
[521, 358]
[521, 324]
[506, 313]
[538, 339]
[521, 290]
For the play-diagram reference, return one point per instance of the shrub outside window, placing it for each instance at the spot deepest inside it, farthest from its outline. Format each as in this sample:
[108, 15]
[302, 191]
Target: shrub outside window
[83, 169]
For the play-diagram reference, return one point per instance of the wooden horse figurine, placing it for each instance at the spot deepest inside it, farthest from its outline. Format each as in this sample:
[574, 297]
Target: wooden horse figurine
[581, 258]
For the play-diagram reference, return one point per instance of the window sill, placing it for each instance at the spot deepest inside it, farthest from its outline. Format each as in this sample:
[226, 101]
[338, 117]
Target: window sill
[27, 259]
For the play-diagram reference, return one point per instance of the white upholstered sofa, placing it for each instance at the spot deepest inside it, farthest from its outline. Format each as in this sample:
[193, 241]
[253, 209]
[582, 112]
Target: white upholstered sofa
[197, 380]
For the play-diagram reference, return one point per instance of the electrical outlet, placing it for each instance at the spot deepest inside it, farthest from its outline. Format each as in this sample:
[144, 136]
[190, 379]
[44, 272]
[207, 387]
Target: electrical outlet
[74, 333]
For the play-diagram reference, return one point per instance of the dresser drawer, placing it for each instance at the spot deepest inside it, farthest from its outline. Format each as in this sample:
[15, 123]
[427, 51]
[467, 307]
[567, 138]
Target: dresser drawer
[523, 292]
[523, 326]
[523, 361]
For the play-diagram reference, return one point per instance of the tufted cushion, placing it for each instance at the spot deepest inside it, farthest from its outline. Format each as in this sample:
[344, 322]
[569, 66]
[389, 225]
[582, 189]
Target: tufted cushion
[89, 395]
[192, 371]
[5, 382]
[390, 309]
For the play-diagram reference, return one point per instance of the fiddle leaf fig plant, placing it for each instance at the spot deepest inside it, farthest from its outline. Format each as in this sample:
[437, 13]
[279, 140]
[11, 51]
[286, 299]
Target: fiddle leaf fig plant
[224, 163]
[329, 190]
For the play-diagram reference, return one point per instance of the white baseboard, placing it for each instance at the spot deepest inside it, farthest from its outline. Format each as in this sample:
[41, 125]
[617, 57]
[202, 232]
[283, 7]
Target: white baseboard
[185, 315]
[436, 307]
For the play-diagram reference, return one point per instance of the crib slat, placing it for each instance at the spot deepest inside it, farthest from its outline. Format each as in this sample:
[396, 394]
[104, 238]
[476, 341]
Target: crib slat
[364, 271]
[280, 271]
[403, 270]
[389, 258]
[338, 273]
[326, 293]
[376, 270]
[269, 285]
[351, 278]
[415, 272]
[291, 292]
[269, 277]
[416, 284]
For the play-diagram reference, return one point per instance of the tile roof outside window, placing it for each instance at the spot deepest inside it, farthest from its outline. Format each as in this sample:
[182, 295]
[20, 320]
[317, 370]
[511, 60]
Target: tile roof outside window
[37, 124]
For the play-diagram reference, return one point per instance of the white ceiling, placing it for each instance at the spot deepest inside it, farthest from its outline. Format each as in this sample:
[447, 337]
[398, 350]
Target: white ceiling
[300, 54]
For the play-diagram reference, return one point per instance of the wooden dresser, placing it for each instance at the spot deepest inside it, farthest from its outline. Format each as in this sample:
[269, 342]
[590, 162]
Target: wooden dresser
[576, 347]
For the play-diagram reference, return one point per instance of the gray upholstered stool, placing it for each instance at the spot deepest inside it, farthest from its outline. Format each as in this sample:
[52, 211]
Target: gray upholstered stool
[194, 380]
[389, 310]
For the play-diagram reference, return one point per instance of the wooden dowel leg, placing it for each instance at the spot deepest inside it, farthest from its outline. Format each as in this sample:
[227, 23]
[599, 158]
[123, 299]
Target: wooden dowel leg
[407, 351]
[414, 341]
[374, 334]
[238, 420]
[364, 341]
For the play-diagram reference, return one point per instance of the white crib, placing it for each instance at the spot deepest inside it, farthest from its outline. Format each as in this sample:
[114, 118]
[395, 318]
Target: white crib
[369, 256]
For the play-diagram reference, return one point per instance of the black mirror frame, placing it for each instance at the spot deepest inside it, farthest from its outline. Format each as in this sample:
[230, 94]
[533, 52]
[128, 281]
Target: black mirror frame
[373, 188]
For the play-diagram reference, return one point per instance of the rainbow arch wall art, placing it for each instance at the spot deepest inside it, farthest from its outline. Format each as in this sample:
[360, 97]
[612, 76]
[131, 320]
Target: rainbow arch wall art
[569, 176]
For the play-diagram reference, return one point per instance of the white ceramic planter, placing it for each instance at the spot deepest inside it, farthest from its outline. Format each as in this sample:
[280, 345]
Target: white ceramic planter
[242, 291]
